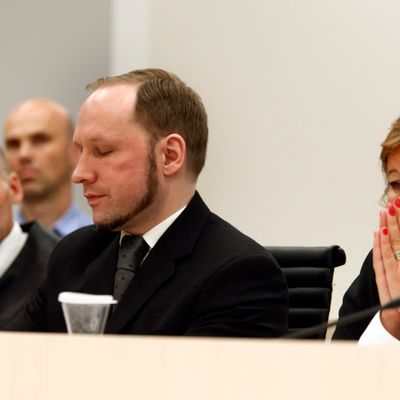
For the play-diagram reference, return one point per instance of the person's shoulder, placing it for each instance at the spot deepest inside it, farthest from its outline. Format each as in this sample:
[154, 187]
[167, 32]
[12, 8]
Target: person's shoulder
[225, 231]
[88, 232]
[81, 217]
[367, 267]
[40, 234]
[87, 237]
[83, 244]
[73, 219]
[215, 236]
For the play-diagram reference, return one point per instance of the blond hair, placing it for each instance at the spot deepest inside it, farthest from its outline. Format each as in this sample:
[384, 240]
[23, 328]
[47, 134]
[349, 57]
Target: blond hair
[390, 144]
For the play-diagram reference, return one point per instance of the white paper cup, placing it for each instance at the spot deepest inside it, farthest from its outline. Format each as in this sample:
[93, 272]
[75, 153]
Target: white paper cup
[85, 313]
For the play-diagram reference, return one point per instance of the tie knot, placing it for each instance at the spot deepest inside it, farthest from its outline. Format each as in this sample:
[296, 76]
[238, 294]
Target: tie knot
[131, 253]
[133, 248]
[133, 242]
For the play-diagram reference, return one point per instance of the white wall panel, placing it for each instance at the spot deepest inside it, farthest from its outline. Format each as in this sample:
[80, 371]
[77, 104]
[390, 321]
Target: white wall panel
[299, 93]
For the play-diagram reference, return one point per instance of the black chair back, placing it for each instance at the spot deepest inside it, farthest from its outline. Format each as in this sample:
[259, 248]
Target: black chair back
[309, 274]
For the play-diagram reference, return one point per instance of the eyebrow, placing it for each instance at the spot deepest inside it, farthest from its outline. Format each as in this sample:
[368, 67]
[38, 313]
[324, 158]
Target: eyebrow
[392, 171]
[92, 140]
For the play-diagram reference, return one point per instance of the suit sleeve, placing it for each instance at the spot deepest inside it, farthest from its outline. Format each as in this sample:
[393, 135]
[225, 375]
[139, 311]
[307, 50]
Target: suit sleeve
[32, 317]
[248, 297]
[361, 294]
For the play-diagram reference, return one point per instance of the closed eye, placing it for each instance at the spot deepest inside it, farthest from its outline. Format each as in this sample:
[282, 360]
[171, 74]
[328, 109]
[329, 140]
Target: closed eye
[102, 152]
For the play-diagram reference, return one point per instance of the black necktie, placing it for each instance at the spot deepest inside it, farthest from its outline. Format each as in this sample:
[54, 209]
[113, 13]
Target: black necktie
[131, 253]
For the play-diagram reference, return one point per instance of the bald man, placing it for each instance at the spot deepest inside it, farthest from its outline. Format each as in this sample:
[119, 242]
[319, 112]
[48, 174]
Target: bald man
[38, 144]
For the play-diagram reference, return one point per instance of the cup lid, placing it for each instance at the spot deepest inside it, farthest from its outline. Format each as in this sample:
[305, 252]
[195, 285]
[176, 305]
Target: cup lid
[85, 298]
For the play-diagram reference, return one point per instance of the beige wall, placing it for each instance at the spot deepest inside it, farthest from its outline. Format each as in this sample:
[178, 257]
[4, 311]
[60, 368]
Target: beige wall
[52, 49]
[300, 95]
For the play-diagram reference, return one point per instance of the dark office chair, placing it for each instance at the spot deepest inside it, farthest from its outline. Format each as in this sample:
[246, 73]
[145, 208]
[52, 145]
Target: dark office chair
[309, 274]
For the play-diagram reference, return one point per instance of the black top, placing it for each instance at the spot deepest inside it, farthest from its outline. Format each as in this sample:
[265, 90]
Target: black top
[362, 294]
[203, 277]
[26, 272]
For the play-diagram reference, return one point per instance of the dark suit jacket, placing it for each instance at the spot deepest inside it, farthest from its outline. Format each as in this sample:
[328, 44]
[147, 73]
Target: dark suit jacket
[362, 294]
[203, 277]
[26, 272]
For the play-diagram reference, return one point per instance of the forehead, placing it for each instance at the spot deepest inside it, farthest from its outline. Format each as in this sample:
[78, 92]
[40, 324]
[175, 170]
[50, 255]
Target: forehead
[29, 121]
[393, 162]
[108, 109]
[116, 100]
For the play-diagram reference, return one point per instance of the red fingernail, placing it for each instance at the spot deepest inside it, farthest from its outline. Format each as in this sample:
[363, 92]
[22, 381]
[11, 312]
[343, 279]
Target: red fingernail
[392, 211]
[397, 203]
[385, 230]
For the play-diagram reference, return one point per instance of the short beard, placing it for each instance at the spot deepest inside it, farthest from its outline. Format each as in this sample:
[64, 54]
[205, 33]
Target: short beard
[38, 196]
[144, 202]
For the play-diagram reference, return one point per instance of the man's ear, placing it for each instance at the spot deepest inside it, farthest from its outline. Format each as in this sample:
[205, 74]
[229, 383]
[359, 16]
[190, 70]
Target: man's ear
[173, 149]
[16, 191]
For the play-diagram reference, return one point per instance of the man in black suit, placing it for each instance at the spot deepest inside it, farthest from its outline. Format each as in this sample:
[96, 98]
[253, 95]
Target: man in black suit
[24, 250]
[142, 138]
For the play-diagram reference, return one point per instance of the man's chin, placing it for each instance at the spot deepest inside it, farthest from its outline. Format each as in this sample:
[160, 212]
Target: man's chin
[32, 194]
[106, 228]
[110, 225]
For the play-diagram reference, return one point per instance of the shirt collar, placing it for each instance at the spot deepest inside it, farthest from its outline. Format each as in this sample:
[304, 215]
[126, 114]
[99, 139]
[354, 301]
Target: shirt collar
[71, 220]
[11, 246]
[152, 236]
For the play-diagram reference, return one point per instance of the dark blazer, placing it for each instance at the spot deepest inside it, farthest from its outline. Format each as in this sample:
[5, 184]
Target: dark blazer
[203, 277]
[26, 272]
[362, 294]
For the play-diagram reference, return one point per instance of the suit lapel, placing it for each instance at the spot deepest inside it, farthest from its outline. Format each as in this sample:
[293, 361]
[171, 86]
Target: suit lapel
[99, 275]
[178, 241]
[152, 274]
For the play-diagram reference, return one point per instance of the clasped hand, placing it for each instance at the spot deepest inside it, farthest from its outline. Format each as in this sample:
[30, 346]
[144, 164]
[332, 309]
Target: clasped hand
[386, 262]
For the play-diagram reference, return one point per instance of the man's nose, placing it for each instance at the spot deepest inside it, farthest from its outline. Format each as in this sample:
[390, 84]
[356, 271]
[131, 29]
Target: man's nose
[83, 172]
[25, 150]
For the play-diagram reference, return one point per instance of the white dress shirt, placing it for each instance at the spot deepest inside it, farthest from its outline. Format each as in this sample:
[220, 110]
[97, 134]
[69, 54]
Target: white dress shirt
[151, 237]
[11, 246]
[376, 333]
